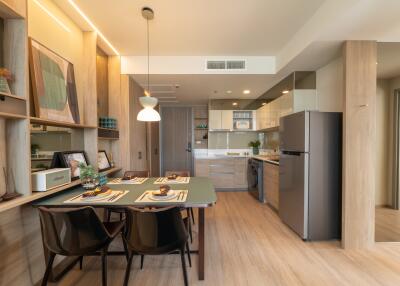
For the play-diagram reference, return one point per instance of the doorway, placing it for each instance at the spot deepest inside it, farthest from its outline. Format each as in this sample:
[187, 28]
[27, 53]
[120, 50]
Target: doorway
[176, 139]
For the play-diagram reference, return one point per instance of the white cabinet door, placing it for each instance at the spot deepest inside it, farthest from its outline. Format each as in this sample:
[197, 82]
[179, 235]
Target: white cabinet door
[227, 119]
[215, 119]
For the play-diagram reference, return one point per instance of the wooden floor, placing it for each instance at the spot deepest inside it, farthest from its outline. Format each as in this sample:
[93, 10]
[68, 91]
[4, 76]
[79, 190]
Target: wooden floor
[387, 227]
[246, 244]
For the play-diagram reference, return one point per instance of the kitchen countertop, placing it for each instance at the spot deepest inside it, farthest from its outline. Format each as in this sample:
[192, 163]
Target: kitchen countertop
[264, 158]
[267, 159]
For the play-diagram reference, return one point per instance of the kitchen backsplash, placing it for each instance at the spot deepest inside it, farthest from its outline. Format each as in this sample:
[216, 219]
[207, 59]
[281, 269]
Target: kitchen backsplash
[240, 140]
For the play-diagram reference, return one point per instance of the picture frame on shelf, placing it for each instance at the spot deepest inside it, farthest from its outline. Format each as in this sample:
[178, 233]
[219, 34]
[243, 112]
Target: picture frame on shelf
[53, 85]
[70, 159]
[104, 163]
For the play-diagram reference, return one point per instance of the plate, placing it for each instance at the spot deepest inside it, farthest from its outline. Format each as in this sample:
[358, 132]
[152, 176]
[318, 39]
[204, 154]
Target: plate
[171, 195]
[99, 197]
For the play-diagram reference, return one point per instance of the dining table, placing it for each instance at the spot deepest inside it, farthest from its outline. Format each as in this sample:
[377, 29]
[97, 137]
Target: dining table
[200, 195]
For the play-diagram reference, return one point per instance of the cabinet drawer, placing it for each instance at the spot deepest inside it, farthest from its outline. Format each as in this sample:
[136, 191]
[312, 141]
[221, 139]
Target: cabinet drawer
[222, 180]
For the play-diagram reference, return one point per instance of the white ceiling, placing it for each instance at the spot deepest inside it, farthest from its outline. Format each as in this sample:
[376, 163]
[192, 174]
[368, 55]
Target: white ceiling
[203, 27]
[198, 89]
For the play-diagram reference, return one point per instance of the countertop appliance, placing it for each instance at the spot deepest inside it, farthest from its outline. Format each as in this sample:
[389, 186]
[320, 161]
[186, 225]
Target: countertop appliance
[255, 179]
[310, 174]
[43, 181]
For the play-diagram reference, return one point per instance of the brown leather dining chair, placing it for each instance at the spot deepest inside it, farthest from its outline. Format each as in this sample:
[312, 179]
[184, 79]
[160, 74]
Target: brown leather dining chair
[77, 232]
[127, 174]
[156, 231]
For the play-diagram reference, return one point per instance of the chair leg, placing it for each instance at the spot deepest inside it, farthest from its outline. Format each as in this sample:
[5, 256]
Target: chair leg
[190, 231]
[188, 254]
[48, 269]
[192, 214]
[120, 216]
[104, 266]
[125, 246]
[128, 269]
[141, 261]
[80, 263]
[185, 277]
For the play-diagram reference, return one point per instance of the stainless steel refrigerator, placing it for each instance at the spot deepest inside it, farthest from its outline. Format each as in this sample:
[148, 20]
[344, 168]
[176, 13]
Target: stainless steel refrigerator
[310, 174]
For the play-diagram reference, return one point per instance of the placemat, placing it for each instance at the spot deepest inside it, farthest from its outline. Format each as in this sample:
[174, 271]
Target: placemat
[113, 197]
[179, 180]
[135, 181]
[146, 197]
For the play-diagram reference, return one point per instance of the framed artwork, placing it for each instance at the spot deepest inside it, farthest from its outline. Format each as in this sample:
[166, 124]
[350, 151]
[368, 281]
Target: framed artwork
[72, 160]
[103, 161]
[53, 85]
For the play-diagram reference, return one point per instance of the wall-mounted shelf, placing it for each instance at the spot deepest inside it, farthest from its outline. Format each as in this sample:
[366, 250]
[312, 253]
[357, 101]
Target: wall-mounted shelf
[59, 123]
[3, 94]
[12, 115]
[4, 206]
[108, 134]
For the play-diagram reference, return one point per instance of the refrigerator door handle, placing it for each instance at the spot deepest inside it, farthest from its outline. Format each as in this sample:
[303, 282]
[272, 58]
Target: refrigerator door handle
[292, 153]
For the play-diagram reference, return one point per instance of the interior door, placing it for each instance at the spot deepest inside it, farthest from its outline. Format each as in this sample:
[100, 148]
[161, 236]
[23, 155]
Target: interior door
[176, 139]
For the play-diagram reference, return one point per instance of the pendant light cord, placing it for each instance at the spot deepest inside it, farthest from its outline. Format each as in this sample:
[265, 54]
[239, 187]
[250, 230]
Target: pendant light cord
[148, 57]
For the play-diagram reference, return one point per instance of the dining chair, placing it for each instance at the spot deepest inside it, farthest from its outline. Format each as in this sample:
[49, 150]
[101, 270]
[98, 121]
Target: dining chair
[156, 231]
[130, 174]
[183, 173]
[77, 232]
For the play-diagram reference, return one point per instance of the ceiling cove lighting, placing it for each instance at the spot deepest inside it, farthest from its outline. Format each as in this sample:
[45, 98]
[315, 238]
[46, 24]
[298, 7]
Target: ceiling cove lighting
[246, 91]
[148, 113]
[47, 11]
[83, 15]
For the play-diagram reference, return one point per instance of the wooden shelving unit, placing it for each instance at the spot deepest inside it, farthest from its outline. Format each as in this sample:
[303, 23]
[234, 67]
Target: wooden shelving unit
[59, 123]
[12, 115]
[108, 134]
[9, 95]
[200, 117]
[4, 206]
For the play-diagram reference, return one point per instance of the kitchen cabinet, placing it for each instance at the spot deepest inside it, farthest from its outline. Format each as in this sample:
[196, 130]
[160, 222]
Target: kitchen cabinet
[271, 184]
[220, 119]
[294, 101]
[225, 173]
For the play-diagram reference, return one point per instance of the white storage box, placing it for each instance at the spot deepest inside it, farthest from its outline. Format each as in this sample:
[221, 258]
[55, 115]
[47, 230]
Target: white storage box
[43, 181]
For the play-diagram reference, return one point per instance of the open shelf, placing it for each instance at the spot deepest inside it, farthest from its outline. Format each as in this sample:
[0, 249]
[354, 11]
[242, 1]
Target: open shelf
[4, 206]
[12, 115]
[58, 123]
[108, 134]
[4, 94]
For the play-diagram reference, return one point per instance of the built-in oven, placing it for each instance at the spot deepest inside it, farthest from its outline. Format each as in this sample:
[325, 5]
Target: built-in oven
[255, 179]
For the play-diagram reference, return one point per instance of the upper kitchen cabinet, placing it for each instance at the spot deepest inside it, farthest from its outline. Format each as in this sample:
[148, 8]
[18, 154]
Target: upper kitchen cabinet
[221, 120]
[293, 94]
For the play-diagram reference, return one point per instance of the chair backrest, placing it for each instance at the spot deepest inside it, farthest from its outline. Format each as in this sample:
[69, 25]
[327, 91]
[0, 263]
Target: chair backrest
[182, 173]
[155, 231]
[140, 174]
[72, 231]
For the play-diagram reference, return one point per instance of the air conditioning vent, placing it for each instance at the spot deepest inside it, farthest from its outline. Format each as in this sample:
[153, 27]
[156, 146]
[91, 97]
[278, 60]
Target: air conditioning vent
[215, 65]
[235, 65]
[226, 65]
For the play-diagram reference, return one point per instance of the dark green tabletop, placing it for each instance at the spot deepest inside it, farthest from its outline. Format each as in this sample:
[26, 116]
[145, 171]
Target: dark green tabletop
[201, 194]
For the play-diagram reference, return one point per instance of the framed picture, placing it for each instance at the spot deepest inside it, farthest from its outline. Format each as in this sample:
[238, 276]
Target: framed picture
[53, 85]
[72, 160]
[103, 161]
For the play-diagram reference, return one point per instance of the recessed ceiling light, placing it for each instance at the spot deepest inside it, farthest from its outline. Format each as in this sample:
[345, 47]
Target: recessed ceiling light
[285, 91]
[246, 91]
[215, 91]
[264, 103]
[234, 103]
[229, 91]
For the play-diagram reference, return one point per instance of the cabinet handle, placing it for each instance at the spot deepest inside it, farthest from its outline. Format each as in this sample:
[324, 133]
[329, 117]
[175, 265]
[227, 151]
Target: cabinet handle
[140, 155]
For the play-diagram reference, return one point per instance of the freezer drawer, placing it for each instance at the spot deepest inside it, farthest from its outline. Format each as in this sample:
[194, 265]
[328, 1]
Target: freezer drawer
[294, 132]
[293, 191]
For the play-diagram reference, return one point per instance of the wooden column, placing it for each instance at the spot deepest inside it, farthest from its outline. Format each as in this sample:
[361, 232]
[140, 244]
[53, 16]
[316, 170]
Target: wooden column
[358, 220]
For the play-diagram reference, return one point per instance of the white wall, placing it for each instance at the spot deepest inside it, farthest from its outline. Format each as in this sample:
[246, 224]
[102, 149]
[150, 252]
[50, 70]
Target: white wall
[330, 86]
[382, 191]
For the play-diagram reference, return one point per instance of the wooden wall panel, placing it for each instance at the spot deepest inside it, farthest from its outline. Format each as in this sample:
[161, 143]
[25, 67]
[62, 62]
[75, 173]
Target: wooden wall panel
[153, 147]
[358, 223]
[124, 151]
[102, 82]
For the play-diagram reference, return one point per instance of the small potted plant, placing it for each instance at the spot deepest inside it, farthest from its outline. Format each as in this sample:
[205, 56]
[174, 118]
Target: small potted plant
[5, 76]
[255, 145]
[35, 149]
[88, 176]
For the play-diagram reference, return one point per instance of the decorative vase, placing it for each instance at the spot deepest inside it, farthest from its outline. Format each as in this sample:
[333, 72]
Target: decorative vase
[4, 87]
[89, 183]
[256, 151]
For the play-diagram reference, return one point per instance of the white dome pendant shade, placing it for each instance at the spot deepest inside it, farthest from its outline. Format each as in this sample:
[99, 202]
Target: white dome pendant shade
[148, 113]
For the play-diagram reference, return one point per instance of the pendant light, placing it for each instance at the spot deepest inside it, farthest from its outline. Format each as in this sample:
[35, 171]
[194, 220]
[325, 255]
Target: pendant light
[148, 113]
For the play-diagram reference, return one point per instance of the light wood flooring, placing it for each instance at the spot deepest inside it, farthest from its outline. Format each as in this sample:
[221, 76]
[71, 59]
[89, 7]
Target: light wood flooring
[387, 227]
[246, 244]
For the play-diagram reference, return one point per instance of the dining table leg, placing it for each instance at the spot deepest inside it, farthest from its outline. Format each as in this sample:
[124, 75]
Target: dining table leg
[201, 242]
